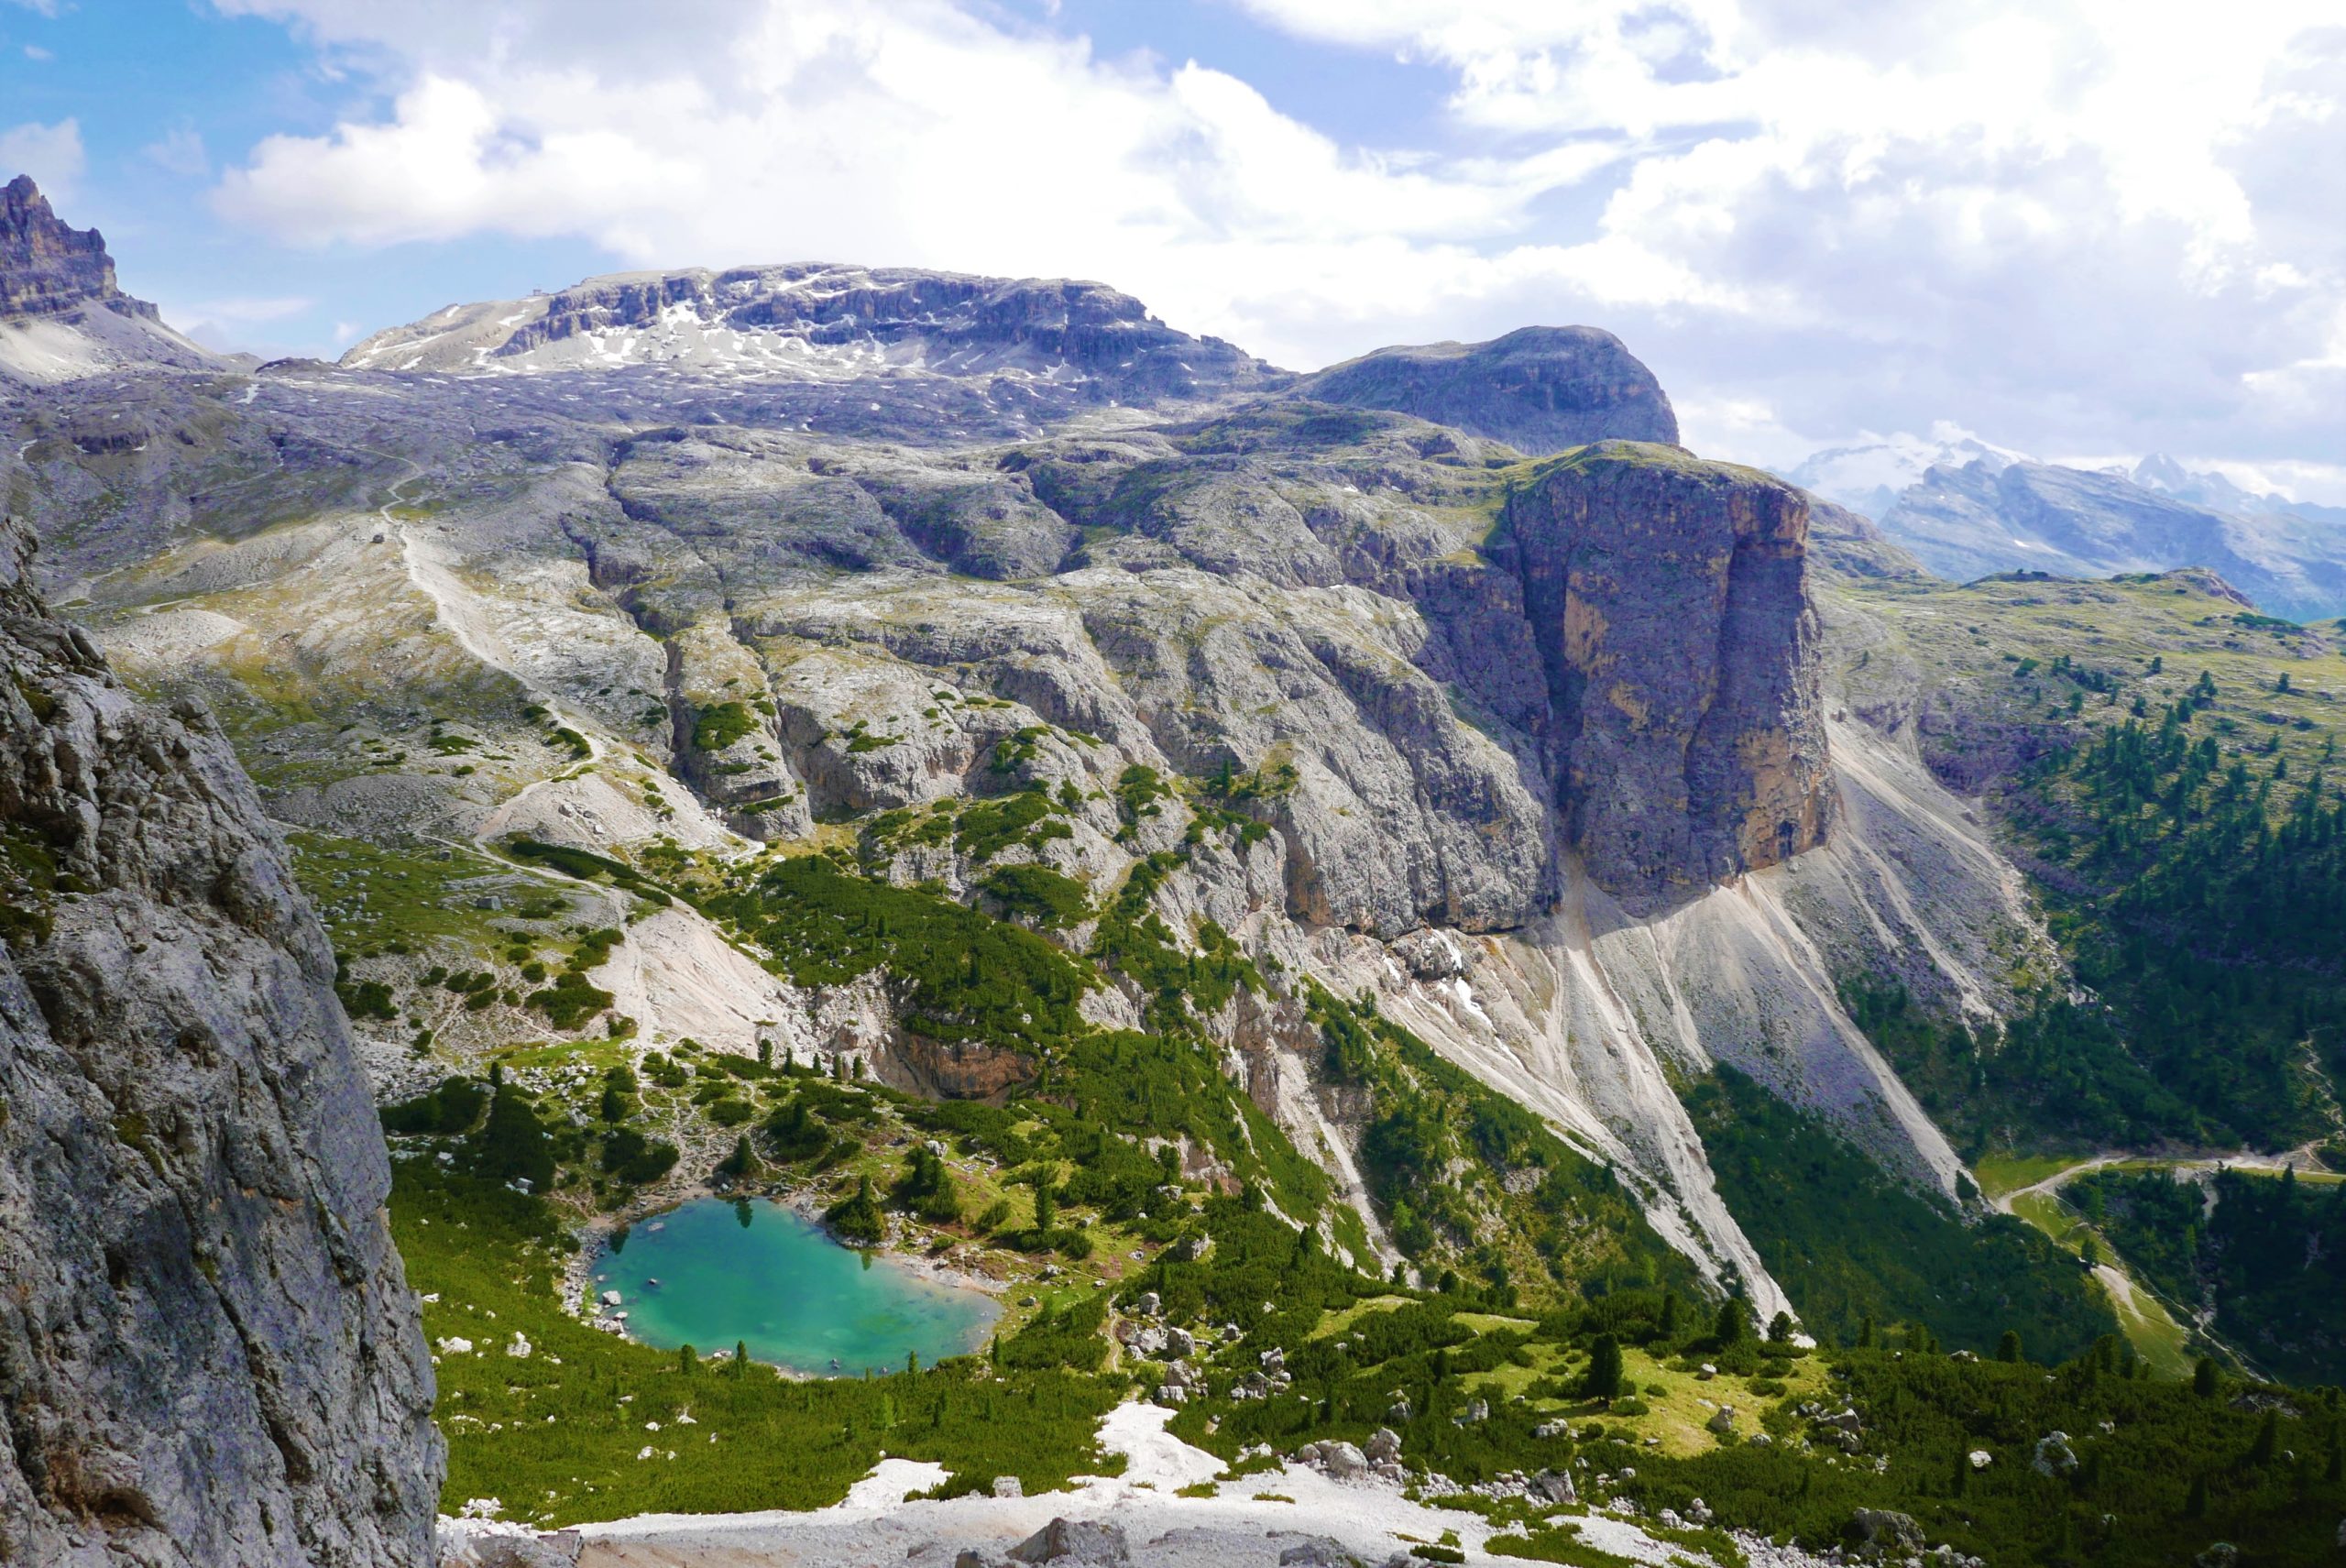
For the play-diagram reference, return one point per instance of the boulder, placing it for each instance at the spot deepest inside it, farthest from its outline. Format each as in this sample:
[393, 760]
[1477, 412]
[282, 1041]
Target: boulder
[1384, 1444]
[1088, 1542]
[2054, 1456]
[1319, 1552]
[1880, 1530]
[497, 1543]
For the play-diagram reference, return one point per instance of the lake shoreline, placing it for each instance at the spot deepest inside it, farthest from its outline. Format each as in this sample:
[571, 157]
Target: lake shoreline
[938, 1289]
[594, 1234]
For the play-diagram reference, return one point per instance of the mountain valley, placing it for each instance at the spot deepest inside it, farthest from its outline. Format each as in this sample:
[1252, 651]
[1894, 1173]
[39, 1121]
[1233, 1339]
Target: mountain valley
[1349, 902]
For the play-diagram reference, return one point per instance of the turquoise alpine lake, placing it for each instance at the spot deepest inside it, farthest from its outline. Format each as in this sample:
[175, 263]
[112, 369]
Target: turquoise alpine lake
[717, 1272]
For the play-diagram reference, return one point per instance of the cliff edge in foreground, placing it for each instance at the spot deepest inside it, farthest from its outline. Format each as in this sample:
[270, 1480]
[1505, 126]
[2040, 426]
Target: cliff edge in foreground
[208, 1352]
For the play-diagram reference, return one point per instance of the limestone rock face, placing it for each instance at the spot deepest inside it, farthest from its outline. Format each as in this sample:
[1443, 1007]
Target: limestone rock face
[208, 1351]
[1668, 597]
[951, 1070]
[47, 269]
[1541, 388]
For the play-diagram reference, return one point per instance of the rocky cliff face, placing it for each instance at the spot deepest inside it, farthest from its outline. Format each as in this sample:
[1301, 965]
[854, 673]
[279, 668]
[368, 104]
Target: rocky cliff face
[208, 1352]
[1668, 597]
[47, 269]
[1539, 390]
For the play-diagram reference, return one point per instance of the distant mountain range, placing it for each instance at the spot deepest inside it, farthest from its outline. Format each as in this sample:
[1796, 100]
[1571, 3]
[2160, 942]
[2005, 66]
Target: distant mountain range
[1966, 509]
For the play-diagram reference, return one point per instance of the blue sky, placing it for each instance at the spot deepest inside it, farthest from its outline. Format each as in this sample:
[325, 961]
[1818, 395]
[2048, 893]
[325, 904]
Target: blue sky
[2080, 229]
[161, 96]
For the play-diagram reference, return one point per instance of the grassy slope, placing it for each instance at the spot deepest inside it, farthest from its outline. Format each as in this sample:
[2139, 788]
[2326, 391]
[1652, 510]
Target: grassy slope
[2270, 1251]
[558, 1436]
[1850, 1244]
[2219, 1017]
[2018, 680]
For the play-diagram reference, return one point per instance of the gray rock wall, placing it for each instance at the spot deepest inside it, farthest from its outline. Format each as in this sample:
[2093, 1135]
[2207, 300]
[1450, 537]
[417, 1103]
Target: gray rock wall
[1668, 600]
[208, 1352]
[45, 267]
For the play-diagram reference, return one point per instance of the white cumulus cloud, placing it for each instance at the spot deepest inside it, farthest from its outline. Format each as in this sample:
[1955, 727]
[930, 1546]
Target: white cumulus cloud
[51, 154]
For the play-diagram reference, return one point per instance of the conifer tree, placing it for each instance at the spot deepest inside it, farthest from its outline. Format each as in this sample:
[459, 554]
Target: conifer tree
[1046, 1203]
[2267, 1445]
[1735, 1322]
[1603, 1381]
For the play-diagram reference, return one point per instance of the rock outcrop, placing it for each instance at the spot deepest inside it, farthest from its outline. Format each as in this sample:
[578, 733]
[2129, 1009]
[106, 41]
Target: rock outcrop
[1539, 390]
[208, 1351]
[48, 269]
[1668, 597]
[62, 317]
